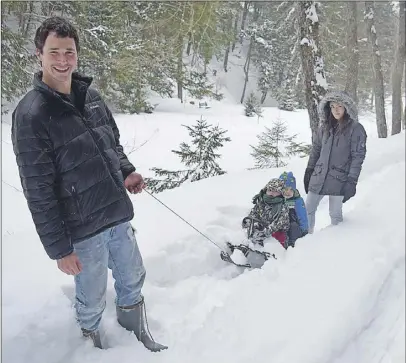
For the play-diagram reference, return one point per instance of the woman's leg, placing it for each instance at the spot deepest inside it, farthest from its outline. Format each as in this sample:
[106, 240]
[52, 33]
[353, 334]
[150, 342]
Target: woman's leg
[312, 202]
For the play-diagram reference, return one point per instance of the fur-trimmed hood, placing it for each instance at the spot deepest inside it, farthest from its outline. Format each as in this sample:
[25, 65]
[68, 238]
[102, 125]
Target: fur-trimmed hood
[340, 97]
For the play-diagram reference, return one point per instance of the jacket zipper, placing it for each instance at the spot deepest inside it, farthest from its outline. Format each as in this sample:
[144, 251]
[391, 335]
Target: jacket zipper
[103, 157]
[76, 111]
[75, 197]
[116, 183]
[329, 157]
[94, 139]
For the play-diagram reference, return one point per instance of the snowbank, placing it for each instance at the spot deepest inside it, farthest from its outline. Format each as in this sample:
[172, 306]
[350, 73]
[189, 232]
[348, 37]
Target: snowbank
[338, 297]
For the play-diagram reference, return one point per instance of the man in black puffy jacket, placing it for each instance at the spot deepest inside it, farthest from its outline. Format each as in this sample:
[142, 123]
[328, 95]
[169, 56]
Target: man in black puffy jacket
[75, 177]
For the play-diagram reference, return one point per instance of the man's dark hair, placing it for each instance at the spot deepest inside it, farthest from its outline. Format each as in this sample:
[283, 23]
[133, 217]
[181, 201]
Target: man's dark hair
[62, 27]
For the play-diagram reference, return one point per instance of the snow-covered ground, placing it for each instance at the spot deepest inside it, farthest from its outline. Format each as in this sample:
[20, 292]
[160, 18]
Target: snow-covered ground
[338, 297]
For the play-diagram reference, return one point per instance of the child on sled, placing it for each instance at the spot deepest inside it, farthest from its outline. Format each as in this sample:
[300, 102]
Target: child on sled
[298, 224]
[269, 216]
[279, 212]
[297, 210]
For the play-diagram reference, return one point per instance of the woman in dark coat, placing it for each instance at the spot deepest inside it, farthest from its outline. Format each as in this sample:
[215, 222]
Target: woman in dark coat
[337, 155]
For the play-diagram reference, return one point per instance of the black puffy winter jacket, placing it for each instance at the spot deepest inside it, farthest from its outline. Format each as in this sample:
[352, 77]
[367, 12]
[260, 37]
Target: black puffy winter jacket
[71, 164]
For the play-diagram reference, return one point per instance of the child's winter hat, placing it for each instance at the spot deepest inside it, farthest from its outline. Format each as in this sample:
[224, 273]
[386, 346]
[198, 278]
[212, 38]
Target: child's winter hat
[275, 185]
[288, 179]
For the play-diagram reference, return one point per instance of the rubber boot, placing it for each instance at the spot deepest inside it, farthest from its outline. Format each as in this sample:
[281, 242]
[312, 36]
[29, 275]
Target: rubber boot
[134, 318]
[95, 336]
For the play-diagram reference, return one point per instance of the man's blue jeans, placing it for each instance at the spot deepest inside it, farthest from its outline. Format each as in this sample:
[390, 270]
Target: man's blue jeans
[115, 248]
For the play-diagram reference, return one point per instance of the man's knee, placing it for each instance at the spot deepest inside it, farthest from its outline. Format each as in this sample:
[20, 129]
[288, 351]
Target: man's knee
[90, 302]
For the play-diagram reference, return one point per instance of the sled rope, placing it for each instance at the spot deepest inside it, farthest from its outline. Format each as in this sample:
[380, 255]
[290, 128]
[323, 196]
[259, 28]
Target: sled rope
[184, 220]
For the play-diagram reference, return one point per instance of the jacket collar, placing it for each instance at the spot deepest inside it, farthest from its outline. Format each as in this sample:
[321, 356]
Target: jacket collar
[80, 85]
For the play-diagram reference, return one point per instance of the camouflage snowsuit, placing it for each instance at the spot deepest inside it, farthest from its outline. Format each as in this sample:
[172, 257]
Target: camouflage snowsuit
[270, 214]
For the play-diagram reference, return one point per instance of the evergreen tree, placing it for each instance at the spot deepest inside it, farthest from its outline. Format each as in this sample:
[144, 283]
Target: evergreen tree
[16, 62]
[100, 32]
[134, 48]
[167, 179]
[276, 53]
[200, 158]
[333, 35]
[252, 106]
[274, 145]
[298, 148]
[286, 97]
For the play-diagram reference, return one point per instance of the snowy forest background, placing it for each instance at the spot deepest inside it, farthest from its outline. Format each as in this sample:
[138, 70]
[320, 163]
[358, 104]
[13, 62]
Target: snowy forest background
[297, 51]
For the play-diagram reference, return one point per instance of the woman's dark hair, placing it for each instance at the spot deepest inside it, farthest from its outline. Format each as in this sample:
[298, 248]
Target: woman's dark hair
[60, 26]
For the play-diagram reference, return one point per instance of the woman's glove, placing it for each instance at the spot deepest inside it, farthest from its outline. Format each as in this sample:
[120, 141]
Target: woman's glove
[306, 180]
[349, 189]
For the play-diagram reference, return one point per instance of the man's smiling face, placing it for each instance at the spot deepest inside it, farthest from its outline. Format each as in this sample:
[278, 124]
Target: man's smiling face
[59, 60]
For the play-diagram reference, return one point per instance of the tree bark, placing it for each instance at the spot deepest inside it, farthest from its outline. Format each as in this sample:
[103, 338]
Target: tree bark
[246, 70]
[378, 77]
[312, 61]
[263, 96]
[180, 69]
[225, 63]
[244, 18]
[235, 30]
[27, 27]
[21, 16]
[189, 43]
[397, 73]
[404, 111]
[351, 84]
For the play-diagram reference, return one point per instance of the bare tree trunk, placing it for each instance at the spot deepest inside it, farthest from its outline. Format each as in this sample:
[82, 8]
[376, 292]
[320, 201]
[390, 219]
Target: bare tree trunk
[397, 73]
[21, 16]
[352, 51]
[235, 31]
[378, 77]
[257, 10]
[263, 96]
[46, 8]
[246, 70]
[225, 63]
[189, 43]
[180, 69]
[312, 61]
[244, 18]
[27, 27]
[404, 111]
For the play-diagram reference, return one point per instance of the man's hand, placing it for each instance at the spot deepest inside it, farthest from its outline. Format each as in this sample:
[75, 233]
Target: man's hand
[134, 183]
[70, 264]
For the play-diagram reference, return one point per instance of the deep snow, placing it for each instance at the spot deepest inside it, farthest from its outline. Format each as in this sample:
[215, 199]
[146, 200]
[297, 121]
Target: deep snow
[338, 297]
